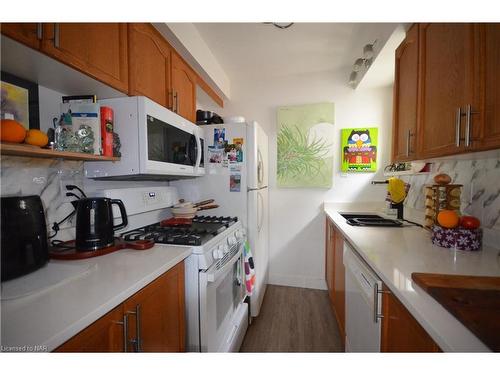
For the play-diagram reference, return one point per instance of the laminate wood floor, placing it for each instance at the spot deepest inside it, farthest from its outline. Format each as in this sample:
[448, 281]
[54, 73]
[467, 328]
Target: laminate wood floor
[293, 320]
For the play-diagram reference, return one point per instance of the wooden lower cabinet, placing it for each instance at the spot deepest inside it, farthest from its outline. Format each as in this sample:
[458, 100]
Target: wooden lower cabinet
[156, 315]
[339, 284]
[400, 331]
[155, 321]
[330, 259]
[335, 274]
[104, 335]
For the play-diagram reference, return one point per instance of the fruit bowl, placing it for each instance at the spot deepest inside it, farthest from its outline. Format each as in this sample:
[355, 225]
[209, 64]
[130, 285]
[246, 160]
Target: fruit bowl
[457, 238]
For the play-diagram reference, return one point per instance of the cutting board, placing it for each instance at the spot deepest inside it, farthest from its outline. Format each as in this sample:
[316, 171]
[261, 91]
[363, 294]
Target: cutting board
[473, 300]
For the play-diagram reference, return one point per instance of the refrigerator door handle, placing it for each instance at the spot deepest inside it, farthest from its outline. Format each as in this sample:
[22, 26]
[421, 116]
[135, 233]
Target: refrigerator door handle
[260, 211]
[260, 168]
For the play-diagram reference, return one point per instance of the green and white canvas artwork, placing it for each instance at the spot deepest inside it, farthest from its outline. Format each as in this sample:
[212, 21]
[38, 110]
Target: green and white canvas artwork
[305, 146]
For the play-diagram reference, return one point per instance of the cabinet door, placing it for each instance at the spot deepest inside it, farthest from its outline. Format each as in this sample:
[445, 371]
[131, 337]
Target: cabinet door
[150, 64]
[447, 83]
[96, 49]
[156, 314]
[489, 57]
[405, 98]
[339, 283]
[184, 88]
[29, 34]
[104, 335]
[329, 259]
[400, 331]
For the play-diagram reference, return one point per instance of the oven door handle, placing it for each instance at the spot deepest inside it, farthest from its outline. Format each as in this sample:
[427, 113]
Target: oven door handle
[213, 274]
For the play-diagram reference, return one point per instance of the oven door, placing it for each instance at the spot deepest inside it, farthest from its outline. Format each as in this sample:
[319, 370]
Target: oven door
[223, 315]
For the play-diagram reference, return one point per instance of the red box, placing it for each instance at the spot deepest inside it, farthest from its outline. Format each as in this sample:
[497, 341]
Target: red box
[107, 131]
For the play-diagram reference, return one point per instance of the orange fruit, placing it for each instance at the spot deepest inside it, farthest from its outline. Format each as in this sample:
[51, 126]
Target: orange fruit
[12, 131]
[448, 218]
[36, 137]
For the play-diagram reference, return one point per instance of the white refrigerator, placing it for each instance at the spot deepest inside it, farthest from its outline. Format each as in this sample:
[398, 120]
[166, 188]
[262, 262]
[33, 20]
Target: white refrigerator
[240, 188]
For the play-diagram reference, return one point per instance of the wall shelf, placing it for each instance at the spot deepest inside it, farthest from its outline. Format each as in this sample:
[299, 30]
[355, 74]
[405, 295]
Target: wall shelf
[404, 173]
[19, 149]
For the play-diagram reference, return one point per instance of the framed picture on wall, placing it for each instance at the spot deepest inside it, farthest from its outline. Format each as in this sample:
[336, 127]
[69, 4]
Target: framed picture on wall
[359, 149]
[20, 99]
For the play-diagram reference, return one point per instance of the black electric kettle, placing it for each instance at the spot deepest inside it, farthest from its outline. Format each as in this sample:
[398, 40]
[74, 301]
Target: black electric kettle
[94, 223]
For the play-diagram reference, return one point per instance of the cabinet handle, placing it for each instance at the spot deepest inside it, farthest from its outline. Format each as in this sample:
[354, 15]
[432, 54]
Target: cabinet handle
[137, 341]
[125, 331]
[170, 104]
[457, 124]
[468, 124]
[408, 147]
[39, 31]
[376, 292]
[56, 35]
[174, 102]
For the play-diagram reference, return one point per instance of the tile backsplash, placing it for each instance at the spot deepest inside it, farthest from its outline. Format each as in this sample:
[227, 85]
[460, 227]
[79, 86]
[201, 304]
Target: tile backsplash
[43, 177]
[480, 191]
[46, 177]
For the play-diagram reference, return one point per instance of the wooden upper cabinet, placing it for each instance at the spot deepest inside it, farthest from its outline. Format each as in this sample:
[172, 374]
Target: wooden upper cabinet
[149, 64]
[104, 335]
[29, 34]
[405, 98]
[400, 331]
[96, 49]
[447, 83]
[488, 119]
[184, 88]
[156, 314]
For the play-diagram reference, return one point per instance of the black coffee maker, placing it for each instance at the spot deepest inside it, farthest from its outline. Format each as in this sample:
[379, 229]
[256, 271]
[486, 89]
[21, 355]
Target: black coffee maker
[94, 223]
[24, 236]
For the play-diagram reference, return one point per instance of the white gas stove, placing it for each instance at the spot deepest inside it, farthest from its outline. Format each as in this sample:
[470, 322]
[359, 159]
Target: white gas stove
[216, 316]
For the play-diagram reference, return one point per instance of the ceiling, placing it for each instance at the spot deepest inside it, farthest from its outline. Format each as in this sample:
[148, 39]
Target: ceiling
[257, 50]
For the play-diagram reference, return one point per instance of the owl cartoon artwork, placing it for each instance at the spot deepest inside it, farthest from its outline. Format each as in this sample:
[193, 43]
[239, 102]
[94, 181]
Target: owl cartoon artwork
[360, 151]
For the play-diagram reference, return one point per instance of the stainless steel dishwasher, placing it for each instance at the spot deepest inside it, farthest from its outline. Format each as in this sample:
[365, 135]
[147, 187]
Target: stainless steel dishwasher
[363, 304]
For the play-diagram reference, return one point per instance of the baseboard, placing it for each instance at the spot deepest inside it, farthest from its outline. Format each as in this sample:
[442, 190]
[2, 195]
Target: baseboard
[297, 281]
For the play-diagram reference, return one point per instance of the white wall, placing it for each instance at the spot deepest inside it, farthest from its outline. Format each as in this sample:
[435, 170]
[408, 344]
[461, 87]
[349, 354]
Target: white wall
[296, 221]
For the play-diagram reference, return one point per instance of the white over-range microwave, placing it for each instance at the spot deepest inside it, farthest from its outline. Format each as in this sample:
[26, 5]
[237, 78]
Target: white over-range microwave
[156, 143]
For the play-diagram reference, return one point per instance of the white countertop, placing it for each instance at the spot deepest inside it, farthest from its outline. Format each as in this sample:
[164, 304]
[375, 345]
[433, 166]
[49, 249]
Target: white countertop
[85, 291]
[395, 253]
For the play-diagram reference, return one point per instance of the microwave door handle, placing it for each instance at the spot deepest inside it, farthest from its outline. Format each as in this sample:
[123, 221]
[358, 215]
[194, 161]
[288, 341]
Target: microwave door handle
[199, 150]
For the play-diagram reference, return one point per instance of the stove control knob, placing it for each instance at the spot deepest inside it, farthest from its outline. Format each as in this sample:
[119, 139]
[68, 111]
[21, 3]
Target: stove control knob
[215, 254]
[220, 251]
[226, 249]
[230, 240]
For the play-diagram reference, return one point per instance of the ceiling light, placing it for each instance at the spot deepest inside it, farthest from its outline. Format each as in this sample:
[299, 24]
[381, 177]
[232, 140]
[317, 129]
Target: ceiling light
[358, 64]
[362, 63]
[352, 78]
[368, 51]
